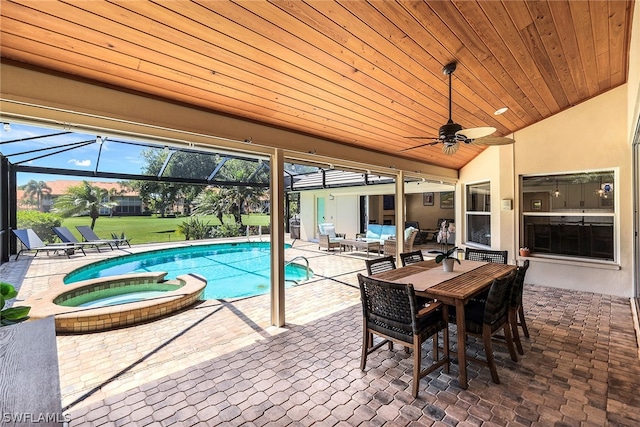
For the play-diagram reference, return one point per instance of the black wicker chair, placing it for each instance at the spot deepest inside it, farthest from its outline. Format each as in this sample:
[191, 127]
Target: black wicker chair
[499, 257]
[486, 317]
[516, 312]
[411, 257]
[380, 265]
[390, 311]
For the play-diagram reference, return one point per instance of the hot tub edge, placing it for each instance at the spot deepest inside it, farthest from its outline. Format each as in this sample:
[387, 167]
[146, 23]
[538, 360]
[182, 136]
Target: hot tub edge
[85, 320]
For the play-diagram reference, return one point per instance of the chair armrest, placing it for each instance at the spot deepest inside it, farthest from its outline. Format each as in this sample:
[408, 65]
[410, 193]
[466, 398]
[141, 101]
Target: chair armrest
[428, 309]
[389, 247]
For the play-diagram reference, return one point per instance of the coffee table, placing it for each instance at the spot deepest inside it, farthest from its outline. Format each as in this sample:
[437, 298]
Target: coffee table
[359, 244]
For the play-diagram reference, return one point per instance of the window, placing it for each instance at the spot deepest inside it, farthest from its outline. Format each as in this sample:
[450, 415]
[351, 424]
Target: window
[570, 214]
[478, 214]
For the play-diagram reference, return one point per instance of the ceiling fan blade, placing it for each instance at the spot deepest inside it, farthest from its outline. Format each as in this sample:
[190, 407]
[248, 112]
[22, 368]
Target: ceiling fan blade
[450, 149]
[421, 145]
[493, 140]
[479, 132]
[421, 137]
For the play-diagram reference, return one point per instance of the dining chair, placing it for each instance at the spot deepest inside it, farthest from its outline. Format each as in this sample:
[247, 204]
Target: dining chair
[516, 312]
[486, 255]
[380, 265]
[411, 257]
[391, 312]
[499, 257]
[484, 318]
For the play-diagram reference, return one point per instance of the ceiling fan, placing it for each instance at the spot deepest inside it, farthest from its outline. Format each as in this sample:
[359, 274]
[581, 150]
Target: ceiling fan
[452, 134]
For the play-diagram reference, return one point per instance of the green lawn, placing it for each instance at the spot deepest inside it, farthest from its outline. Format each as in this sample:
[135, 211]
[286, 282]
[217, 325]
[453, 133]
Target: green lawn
[147, 229]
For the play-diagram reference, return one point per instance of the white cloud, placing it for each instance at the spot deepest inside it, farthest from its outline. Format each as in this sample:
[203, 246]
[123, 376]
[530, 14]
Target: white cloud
[80, 162]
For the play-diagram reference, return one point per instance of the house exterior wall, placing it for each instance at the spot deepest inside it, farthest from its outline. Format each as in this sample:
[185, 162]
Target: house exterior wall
[633, 81]
[590, 136]
[343, 211]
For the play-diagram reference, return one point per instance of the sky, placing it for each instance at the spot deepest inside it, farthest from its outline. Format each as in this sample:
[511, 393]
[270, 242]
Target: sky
[114, 156]
[57, 148]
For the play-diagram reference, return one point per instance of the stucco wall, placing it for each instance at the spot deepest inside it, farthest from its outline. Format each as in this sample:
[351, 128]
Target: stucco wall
[633, 82]
[592, 135]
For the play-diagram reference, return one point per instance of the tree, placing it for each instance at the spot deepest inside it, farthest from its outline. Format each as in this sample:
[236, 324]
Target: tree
[238, 200]
[113, 193]
[81, 200]
[37, 189]
[160, 195]
[210, 202]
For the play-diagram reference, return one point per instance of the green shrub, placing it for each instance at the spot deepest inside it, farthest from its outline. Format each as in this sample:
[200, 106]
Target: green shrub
[226, 230]
[195, 229]
[40, 222]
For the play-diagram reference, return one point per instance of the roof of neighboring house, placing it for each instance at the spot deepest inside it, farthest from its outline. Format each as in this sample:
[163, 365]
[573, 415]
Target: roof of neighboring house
[59, 187]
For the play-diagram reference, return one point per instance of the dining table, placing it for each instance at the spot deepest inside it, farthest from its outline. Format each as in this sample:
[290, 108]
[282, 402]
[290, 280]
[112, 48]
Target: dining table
[455, 288]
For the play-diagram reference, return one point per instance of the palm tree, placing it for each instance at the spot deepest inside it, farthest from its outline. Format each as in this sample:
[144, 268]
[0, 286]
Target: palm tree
[237, 199]
[210, 202]
[37, 189]
[112, 194]
[81, 200]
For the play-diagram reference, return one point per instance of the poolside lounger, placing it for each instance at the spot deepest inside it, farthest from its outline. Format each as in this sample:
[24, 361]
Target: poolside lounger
[31, 242]
[67, 237]
[122, 239]
[90, 236]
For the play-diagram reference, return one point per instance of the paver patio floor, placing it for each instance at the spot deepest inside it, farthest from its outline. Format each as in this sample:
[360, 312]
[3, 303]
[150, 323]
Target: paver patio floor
[220, 363]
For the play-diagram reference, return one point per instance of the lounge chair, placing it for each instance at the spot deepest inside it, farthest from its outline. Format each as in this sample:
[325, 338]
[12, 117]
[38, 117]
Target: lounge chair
[391, 244]
[31, 242]
[327, 236]
[90, 236]
[67, 237]
[122, 239]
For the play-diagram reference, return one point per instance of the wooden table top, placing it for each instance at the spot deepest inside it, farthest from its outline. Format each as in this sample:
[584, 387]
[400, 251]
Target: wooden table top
[429, 279]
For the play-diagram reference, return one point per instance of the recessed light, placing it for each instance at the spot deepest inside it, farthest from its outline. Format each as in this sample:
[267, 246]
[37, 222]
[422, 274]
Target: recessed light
[500, 111]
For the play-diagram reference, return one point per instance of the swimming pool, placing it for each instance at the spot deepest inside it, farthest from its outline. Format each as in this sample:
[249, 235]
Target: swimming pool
[232, 270]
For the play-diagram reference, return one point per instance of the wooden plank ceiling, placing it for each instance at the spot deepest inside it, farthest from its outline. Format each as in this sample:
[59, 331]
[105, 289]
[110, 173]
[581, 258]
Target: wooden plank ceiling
[367, 74]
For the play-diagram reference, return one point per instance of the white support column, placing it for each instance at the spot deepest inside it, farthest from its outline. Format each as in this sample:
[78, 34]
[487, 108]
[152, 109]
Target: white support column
[277, 238]
[400, 209]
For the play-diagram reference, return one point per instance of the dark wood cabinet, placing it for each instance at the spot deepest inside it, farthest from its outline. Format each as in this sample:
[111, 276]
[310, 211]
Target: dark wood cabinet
[582, 240]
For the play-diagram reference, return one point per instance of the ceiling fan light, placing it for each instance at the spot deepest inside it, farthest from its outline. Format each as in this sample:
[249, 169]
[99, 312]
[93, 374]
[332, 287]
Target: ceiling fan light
[473, 133]
[449, 148]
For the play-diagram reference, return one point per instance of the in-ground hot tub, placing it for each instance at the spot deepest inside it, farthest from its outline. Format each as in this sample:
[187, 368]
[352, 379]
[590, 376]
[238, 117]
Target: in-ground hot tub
[115, 301]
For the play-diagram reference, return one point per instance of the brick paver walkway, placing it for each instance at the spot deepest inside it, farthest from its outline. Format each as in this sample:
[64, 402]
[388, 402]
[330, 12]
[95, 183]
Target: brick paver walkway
[220, 363]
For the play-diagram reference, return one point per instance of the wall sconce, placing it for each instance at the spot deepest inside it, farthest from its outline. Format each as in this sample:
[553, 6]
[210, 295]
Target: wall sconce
[6, 127]
[331, 197]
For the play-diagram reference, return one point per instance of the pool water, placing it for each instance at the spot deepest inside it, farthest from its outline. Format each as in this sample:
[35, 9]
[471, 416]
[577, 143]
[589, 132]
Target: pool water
[232, 270]
[122, 299]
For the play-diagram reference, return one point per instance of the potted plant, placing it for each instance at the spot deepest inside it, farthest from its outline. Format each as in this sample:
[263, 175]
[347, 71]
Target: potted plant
[446, 256]
[9, 316]
[525, 251]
